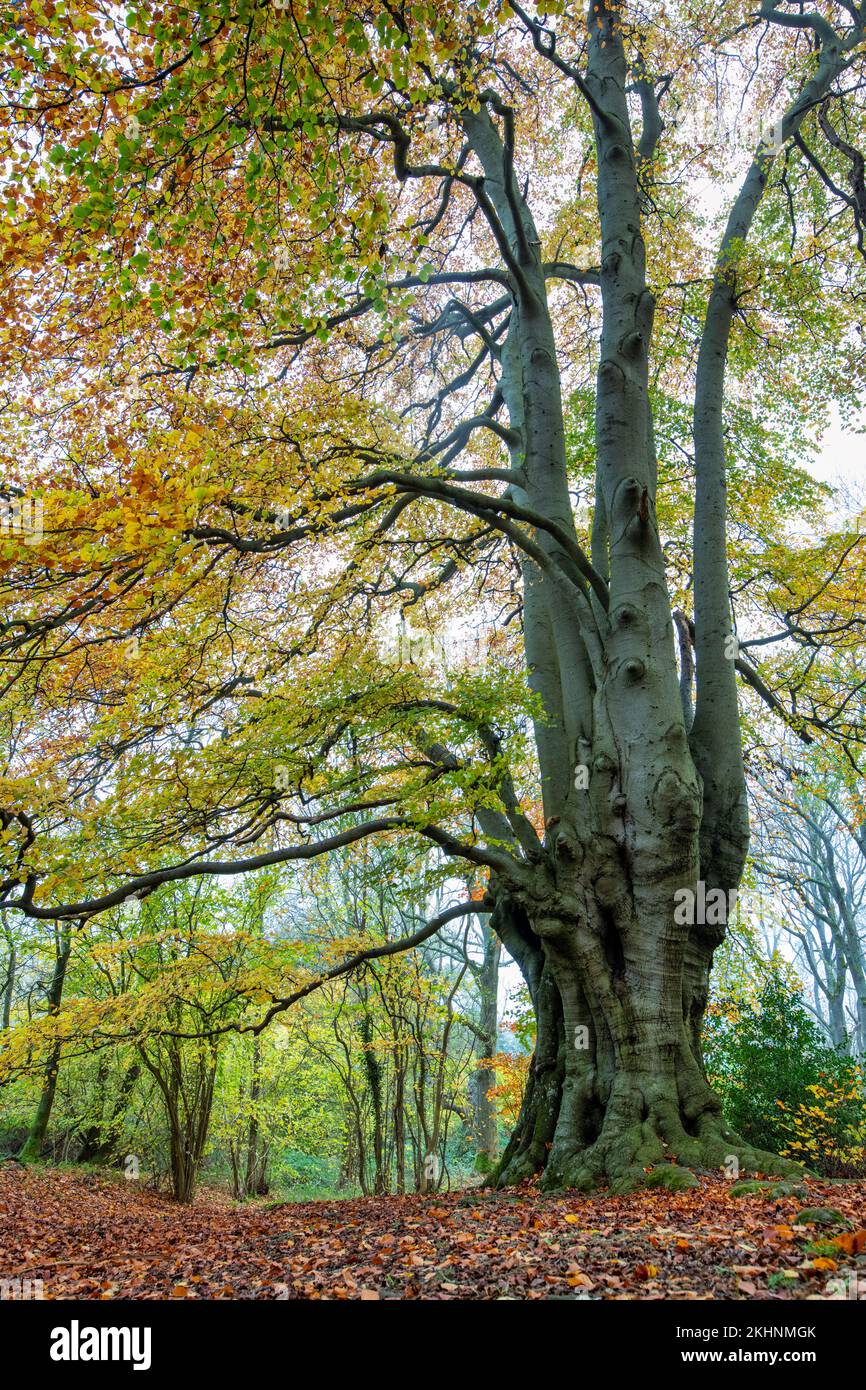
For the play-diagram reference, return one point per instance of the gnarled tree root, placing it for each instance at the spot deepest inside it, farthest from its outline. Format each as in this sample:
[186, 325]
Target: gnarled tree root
[647, 1139]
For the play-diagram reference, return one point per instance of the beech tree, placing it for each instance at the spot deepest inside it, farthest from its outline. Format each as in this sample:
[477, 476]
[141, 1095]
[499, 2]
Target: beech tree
[326, 317]
[814, 854]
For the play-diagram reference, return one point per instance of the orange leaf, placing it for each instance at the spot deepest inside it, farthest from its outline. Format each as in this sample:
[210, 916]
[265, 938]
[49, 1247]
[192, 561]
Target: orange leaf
[852, 1242]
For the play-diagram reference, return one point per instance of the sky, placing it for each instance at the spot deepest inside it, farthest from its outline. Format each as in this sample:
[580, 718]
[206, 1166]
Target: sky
[843, 458]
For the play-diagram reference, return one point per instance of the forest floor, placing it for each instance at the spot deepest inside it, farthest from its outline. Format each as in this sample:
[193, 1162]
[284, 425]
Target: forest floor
[88, 1236]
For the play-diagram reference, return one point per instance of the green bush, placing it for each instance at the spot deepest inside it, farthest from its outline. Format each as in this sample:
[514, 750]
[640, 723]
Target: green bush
[782, 1085]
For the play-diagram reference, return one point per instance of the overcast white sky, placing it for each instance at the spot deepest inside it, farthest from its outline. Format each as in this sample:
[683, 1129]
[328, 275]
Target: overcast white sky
[843, 458]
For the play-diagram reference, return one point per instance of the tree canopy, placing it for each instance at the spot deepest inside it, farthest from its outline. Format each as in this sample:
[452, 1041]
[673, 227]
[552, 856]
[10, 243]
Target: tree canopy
[407, 421]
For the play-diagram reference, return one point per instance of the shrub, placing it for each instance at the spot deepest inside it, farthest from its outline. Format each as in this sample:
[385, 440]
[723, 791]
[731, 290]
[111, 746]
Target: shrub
[782, 1085]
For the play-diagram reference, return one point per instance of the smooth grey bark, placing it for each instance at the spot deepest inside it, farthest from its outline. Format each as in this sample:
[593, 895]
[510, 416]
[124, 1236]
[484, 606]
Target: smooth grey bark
[653, 801]
[715, 740]
[599, 944]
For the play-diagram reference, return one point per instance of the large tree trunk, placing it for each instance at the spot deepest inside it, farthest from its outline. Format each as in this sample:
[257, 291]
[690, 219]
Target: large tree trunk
[643, 789]
[617, 1092]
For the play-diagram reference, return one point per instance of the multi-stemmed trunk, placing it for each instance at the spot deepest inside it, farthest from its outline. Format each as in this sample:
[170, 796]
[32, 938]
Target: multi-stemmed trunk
[642, 781]
[186, 1084]
[617, 1092]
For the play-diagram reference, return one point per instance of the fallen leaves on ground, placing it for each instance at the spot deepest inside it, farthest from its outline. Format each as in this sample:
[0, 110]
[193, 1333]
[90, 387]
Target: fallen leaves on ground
[92, 1237]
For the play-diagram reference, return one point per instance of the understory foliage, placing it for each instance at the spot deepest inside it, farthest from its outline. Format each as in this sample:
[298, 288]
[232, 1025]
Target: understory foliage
[780, 1080]
[370, 1085]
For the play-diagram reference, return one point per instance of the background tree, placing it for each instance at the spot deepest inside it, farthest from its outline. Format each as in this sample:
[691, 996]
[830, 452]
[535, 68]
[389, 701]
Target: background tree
[812, 858]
